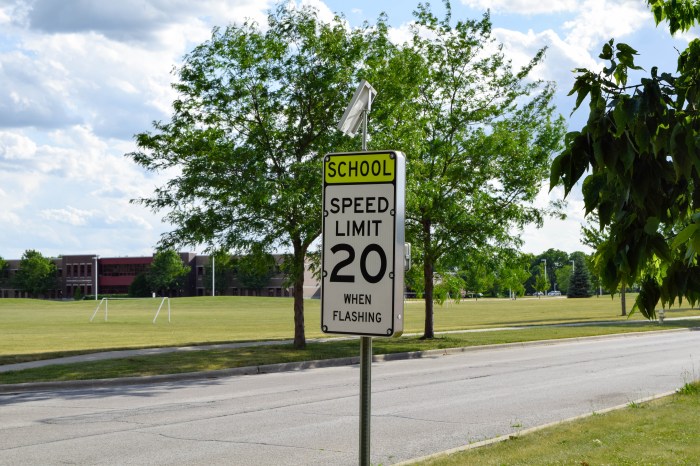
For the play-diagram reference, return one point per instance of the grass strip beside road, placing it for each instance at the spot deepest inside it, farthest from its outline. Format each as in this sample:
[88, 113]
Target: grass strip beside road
[34, 329]
[209, 360]
[660, 432]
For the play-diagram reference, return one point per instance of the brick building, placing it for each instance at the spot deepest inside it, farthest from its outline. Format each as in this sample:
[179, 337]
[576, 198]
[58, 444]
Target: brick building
[87, 273]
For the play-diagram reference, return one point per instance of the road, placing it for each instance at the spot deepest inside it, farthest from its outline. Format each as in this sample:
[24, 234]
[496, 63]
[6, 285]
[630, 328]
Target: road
[420, 406]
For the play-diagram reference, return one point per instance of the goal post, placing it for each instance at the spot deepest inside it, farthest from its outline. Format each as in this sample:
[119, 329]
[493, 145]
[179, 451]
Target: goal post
[159, 308]
[104, 303]
[99, 305]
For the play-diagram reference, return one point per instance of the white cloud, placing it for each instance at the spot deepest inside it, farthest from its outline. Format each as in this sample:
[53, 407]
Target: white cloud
[129, 221]
[526, 7]
[564, 235]
[132, 20]
[4, 17]
[324, 13]
[600, 20]
[15, 147]
[69, 215]
[80, 78]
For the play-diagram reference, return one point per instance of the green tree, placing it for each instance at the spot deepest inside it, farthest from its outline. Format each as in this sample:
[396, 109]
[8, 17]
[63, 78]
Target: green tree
[478, 137]
[256, 268]
[541, 283]
[256, 111]
[478, 271]
[580, 282]
[595, 237]
[225, 267]
[563, 276]
[513, 272]
[414, 280]
[4, 271]
[449, 286]
[639, 152]
[167, 273]
[555, 259]
[36, 274]
[140, 287]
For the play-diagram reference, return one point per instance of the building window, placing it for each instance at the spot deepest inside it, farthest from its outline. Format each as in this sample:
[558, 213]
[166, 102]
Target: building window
[89, 270]
[200, 270]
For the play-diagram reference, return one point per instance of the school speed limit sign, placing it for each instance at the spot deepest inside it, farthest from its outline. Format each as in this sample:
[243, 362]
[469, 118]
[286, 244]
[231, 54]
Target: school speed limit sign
[363, 243]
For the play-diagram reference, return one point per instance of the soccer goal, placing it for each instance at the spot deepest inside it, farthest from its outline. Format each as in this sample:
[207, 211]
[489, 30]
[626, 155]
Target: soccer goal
[104, 304]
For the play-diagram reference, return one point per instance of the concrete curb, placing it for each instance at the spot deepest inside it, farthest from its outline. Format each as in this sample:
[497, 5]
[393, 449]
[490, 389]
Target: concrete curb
[287, 366]
[529, 430]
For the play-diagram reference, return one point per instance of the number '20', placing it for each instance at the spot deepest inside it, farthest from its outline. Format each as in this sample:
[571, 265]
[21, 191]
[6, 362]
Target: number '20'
[336, 275]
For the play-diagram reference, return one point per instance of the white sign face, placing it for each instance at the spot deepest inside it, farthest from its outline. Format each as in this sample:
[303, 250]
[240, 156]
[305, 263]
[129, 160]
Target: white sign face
[363, 240]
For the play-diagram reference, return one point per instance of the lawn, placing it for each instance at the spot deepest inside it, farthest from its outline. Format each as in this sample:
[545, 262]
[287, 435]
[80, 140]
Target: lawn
[35, 329]
[660, 432]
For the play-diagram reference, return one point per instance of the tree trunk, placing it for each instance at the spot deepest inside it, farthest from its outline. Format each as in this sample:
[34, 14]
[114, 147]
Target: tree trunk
[299, 269]
[428, 276]
[623, 301]
[299, 336]
[428, 332]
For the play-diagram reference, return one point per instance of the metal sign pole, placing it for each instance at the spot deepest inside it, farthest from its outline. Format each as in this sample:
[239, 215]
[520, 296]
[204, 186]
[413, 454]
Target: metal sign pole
[365, 362]
[365, 398]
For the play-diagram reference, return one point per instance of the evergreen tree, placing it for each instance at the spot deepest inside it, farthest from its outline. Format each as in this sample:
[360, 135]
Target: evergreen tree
[580, 282]
[140, 288]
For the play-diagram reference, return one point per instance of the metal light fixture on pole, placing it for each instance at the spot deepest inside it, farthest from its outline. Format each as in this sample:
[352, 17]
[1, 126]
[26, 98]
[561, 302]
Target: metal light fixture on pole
[354, 116]
[545, 272]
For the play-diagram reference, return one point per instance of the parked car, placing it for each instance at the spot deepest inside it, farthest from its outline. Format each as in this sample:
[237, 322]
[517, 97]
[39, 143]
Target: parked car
[554, 293]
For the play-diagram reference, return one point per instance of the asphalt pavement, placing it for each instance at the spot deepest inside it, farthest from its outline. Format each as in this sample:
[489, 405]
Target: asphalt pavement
[269, 368]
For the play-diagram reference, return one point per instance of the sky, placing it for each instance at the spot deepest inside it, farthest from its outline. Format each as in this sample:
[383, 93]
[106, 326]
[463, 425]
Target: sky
[79, 78]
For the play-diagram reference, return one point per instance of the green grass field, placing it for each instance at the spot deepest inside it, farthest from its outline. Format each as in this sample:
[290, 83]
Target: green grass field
[32, 329]
[660, 432]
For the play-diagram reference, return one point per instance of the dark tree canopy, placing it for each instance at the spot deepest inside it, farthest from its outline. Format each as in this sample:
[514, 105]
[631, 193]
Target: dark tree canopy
[256, 268]
[36, 274]
[256, 111]
[140, 287]
[4, 271]
[167, 273]
[580, 282]
[478, 136]
[640, 148]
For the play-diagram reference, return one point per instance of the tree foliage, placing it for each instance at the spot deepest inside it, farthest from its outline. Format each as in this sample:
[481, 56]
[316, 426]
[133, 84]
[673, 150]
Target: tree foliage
[256, 268]
[36, 274]
[477, 134]
[563, 276]
[4, 271]
[167, 273]
[541, 283]
[224, 269]
[513, 272]
[580, 282]
[256, 111]
[140, 287]
[640, 148]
